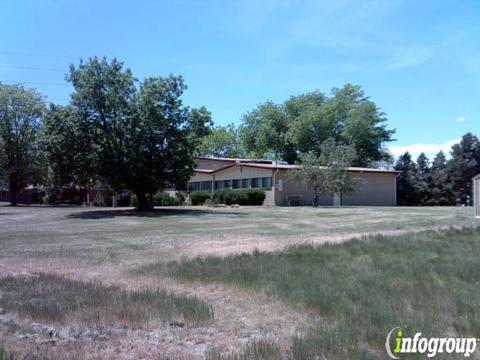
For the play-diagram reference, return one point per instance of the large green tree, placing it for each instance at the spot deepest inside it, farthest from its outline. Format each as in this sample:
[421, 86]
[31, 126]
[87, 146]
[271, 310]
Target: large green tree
[264, 133]
[440, 186]
[303, 123]
[443, 182]
[139, 135]
[222, 141]
[21, 116]
[406, 194]
[463, 165]
[326, 173]
[422, 180]
[68, 146]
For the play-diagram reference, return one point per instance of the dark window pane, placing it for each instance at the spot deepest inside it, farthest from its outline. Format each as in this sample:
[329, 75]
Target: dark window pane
[227, 184]
[194, 185]
[266, 182]
[207, 185]
[236, 184]
[245, 183]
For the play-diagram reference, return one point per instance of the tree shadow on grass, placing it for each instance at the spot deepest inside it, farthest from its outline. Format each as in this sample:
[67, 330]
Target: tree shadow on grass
[109, 214]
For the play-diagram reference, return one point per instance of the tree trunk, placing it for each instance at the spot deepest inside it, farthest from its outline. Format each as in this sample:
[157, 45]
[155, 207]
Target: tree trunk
[316, 198]
[13, 193]
[143, 203]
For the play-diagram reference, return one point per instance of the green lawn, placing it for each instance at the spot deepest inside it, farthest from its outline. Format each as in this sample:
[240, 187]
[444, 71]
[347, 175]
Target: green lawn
[65, 265]
[427, 282]
[95, 235]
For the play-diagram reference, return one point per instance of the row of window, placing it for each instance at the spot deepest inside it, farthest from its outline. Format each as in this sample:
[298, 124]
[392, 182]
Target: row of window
[265, 183]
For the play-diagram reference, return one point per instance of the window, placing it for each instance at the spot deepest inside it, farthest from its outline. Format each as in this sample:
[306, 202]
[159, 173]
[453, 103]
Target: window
[245, 183]
[256, 182]
[219, 185]
[194, 185]
[266, 182]
[227, 184]
[207, 185]
[236, 184]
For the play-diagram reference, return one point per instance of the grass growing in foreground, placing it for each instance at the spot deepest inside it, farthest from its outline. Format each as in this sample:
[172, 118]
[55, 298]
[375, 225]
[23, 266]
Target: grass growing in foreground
[5, 354]
[57, 299]
[426, 282]
[263, 349]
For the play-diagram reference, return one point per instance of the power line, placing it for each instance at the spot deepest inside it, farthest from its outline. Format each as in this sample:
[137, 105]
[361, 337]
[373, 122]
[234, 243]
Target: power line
[29, 68]
[34, 83]
[40, 55]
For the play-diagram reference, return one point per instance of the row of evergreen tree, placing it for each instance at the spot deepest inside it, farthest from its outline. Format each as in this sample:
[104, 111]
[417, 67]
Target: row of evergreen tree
[441, 181]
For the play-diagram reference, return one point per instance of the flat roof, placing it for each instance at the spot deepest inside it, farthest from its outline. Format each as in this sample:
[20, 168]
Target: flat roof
[268, 164]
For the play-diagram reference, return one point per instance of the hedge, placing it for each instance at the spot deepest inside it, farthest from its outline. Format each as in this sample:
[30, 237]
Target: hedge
[199, 197]
[240, 197]
[162, 198]
[229, 197]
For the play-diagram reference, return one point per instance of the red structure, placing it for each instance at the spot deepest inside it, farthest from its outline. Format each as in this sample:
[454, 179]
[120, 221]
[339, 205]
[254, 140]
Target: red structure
[25, 197]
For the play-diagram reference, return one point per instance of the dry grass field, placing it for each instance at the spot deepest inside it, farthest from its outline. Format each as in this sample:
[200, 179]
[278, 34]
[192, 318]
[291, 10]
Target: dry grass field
[112, 283]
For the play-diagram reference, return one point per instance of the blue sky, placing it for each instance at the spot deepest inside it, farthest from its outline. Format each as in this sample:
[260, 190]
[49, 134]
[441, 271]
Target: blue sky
[418, 60]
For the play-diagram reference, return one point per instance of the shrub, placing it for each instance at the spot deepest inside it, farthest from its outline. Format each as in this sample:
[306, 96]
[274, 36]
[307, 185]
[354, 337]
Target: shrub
[199, 197]
[180, 196]
[241, 197]
[209, 202]
[134, 201]
[162, 198]
[255, 196]
[226, 196]
[124, 198]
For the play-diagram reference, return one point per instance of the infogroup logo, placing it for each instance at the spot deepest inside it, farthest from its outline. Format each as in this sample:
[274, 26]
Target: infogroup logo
[430, 346]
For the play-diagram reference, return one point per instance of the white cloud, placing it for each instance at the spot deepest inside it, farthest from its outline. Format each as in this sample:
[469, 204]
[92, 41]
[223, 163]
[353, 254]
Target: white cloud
[461, 119]
[405, 57]
[429, 149]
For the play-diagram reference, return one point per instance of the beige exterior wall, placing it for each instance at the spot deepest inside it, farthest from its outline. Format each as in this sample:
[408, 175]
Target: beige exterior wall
[377, 189]
[201, 177]
[242, 172]
[287, 188]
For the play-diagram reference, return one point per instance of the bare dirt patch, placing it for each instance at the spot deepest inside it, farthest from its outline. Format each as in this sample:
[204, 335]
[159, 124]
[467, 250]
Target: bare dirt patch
[239, 317]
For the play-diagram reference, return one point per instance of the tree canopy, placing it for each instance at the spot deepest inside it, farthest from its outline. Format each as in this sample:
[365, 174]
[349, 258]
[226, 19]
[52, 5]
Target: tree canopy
[131, 135]
[328, 172]
[21, 118]
[222, 141]
[442, 181]
[303, 123]
[67, 144]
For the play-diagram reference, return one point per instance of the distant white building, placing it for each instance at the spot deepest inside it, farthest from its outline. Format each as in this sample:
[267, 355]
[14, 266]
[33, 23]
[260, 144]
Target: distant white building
[476, 195]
